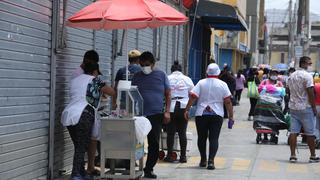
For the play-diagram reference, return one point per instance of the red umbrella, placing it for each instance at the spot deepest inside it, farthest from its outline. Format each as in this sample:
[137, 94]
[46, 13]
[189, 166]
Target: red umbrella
[126, 14]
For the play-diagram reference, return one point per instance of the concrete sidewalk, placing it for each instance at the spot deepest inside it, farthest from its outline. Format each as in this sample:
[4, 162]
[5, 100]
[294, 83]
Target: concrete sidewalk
[240, 158]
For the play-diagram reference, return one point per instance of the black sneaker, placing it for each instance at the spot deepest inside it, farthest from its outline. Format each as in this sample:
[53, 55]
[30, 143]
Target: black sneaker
[150, 175]
[203, 163]
[168, 159]
[183, 159]
[314, 159]
[210, 166]
[293, 159]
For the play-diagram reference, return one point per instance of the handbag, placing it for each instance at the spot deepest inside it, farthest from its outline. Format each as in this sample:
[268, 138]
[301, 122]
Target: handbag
[252, 90]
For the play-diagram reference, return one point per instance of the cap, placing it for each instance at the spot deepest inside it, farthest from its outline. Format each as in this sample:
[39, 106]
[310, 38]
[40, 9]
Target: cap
[134, 53]
[213, 69]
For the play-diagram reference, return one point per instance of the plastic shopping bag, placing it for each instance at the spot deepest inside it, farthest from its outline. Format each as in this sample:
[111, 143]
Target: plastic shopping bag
[252, 90]
[143, 127]
[96, 132]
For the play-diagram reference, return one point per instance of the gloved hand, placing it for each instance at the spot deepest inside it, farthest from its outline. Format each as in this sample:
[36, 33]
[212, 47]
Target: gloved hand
[230, 123]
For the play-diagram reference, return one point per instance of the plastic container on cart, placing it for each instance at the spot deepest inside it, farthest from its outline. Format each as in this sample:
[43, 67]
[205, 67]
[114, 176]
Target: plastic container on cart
[118, 136]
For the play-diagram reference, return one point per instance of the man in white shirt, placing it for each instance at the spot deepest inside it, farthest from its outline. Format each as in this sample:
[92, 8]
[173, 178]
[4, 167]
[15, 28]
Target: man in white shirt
[302, 108]
[180, 86]
[212, 94]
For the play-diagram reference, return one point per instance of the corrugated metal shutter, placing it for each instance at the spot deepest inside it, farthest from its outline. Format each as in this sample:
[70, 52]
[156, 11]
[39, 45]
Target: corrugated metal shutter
[78, 41]
[25, 35]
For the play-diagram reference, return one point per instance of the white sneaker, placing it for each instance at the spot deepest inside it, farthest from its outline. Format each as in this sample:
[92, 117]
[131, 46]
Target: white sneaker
[314, 159]
[250, 118]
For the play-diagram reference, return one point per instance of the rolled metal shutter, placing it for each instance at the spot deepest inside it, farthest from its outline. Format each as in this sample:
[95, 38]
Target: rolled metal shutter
[25, 35]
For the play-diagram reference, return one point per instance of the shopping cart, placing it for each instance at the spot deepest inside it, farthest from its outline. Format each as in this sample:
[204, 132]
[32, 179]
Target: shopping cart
[176, 145]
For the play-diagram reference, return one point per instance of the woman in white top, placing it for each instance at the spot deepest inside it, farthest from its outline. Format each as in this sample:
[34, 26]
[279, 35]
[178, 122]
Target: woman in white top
[79, 115]
[180, 86]
[212, 94]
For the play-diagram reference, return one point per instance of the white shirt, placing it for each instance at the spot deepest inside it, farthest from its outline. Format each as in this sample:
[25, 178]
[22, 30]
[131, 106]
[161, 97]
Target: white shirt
[298, 82]
[78, 89]
[211, 92]
[180, 86]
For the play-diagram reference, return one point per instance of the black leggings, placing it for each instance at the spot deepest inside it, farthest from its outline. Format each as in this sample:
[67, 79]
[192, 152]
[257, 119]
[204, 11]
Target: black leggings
[238, 94]
[81, 136]
[208, 125]
[253, 103]
[177, 124]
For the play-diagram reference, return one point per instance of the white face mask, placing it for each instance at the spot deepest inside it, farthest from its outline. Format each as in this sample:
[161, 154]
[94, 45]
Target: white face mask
[309, 68]
[273, 78]
[146, 69]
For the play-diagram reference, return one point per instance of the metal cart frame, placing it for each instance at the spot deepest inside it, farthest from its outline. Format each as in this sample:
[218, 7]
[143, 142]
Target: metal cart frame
[118, 141]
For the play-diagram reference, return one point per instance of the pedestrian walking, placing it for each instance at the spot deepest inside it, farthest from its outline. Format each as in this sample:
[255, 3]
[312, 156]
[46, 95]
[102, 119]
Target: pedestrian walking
[240, 81]
[211, 94]
[79, 116]
[302, 108]
[272, 86]
[287, 96]
[227, 76]
[181, 86]
[153, 84]
[253, 94]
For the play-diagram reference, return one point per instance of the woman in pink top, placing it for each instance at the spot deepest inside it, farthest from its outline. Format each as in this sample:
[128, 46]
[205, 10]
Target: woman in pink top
[240, 80]
[271, 83]
[270, 86]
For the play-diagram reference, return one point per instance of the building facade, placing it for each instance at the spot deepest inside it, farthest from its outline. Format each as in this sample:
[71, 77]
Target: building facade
[279, 47]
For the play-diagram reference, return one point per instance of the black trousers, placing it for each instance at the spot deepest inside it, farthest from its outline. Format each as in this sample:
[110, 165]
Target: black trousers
[238, 94]
[153, 141]
[208, 126]
[253, 103]
[177, 124]
[81, 136]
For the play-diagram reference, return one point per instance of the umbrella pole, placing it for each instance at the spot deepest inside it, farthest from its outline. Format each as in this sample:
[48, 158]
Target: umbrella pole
[127, 58]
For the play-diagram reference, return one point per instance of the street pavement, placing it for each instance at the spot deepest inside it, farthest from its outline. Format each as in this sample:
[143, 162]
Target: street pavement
[240, 158]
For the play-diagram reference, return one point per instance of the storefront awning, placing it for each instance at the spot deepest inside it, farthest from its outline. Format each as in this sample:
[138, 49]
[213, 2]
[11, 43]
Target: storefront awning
[220, 16]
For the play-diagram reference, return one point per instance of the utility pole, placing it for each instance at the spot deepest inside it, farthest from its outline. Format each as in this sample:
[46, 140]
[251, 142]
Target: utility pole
[306, 46]
[290, 33]
[303, 29]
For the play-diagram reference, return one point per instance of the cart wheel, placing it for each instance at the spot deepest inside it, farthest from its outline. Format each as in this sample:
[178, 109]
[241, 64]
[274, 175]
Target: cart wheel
[162, 154]
[174, 156]
[258, 139]
[274, 139]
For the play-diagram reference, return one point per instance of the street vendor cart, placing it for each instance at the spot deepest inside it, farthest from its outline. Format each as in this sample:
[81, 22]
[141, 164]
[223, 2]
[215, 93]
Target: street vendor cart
[118, 136]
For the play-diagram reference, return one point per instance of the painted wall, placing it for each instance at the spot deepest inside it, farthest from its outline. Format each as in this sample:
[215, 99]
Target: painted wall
[226, 56]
